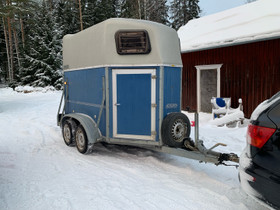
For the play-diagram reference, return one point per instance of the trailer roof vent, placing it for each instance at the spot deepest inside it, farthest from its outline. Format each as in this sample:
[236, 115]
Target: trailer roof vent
[132, 42]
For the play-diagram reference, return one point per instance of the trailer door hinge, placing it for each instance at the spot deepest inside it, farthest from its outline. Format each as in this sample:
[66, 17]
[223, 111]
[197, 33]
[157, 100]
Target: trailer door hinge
[154, 105]
[154, 76]
[153, 133]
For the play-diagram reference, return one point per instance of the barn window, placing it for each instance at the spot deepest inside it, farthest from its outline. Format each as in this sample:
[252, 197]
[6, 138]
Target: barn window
[132, 42]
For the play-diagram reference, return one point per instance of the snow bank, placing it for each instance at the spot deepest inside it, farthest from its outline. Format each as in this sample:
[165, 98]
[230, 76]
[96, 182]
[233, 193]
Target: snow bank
[29, 89]
[231, 118]
[249, 22]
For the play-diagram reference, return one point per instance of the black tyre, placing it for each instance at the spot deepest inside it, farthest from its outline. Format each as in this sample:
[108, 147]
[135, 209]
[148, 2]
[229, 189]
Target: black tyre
[67, 132]
[175, 128]
[81, 140]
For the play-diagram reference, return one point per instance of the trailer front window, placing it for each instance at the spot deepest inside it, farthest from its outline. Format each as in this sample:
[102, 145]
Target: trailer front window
[132, 42]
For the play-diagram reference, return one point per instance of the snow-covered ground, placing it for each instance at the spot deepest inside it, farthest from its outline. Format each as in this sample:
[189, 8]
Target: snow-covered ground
[38, 171]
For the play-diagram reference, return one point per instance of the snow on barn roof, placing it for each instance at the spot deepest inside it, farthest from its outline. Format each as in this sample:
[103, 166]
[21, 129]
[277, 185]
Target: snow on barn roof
[259, 20]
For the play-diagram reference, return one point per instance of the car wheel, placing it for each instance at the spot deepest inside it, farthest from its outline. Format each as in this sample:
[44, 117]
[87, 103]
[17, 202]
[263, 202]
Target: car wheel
[175, 128]
[81, 140]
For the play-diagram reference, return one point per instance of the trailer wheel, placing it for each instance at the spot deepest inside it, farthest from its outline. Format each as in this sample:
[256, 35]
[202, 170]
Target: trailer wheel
[81, 140]
[175, 128]
[67, 132]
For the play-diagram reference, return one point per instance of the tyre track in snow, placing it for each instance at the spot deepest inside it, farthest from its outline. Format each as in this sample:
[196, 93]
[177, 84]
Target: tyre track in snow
[166, 174]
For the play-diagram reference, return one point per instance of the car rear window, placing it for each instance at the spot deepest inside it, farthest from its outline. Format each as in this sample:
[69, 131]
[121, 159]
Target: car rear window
[132, 42]
[277, 95]
[264, 105]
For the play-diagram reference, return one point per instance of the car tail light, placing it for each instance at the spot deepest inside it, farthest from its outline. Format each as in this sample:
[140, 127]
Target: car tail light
[257, 136]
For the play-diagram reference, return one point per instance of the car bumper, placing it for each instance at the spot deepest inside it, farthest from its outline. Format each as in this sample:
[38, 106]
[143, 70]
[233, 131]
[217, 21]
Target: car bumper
[258, 182]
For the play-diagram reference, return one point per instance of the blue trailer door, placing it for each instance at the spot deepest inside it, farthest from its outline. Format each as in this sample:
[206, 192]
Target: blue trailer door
[134, 104]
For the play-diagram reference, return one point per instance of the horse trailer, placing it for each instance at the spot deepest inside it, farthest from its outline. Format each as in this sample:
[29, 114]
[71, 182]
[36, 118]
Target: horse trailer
[122, 85]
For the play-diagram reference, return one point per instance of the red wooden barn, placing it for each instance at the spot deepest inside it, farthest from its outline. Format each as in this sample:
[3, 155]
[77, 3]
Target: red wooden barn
[234, 53]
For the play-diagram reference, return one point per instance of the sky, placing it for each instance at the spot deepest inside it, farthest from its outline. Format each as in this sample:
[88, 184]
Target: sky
[209, 7]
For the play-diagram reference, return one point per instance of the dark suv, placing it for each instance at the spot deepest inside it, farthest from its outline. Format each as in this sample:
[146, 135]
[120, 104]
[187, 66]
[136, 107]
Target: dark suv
[259, 170]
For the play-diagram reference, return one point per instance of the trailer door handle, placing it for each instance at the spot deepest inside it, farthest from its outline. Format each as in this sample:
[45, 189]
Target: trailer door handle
[117, 104]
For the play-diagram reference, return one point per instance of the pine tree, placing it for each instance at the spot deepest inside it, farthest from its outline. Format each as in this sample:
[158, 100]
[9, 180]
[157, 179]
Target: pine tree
[14, 14]
[42, 59]
[194, 9]
[90, 13]
[66, 15]
[7, 12]
[182, 11]
[3, 51]
[153, 10]
[106, 9]
[157, 10]
[3, 55]
[129, 9]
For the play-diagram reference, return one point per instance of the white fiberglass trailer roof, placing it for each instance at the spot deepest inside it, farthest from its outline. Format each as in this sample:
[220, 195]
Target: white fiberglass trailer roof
[259, 20]
[96, 46]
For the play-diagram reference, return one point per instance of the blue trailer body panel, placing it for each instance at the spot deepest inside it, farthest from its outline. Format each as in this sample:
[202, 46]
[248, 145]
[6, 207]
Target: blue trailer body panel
[84, 93]
[172, 90]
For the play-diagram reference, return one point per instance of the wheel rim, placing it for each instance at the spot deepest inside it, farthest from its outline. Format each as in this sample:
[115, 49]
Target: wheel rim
[67, 133]
[80, 140]
[179, 130]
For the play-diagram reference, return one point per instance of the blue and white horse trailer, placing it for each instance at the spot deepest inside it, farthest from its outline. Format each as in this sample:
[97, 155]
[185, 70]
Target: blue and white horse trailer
[122, 85]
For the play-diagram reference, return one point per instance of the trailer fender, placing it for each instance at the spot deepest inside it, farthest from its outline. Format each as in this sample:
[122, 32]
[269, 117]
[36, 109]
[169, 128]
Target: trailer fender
[91, 129]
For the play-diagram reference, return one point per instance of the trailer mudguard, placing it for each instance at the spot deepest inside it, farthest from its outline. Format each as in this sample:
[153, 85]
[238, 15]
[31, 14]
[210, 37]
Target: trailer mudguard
[91, 129]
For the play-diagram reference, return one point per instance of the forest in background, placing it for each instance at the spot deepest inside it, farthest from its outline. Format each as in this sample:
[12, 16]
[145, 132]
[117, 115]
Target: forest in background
[31, 32]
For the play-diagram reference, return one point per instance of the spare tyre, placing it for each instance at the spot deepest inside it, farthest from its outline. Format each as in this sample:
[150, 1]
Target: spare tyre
[175, 128]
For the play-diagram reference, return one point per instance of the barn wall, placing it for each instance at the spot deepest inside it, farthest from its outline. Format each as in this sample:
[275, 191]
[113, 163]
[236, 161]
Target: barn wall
[249, 71]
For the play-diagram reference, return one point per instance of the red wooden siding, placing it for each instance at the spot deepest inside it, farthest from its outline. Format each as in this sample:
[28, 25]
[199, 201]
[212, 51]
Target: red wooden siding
[249, 71]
